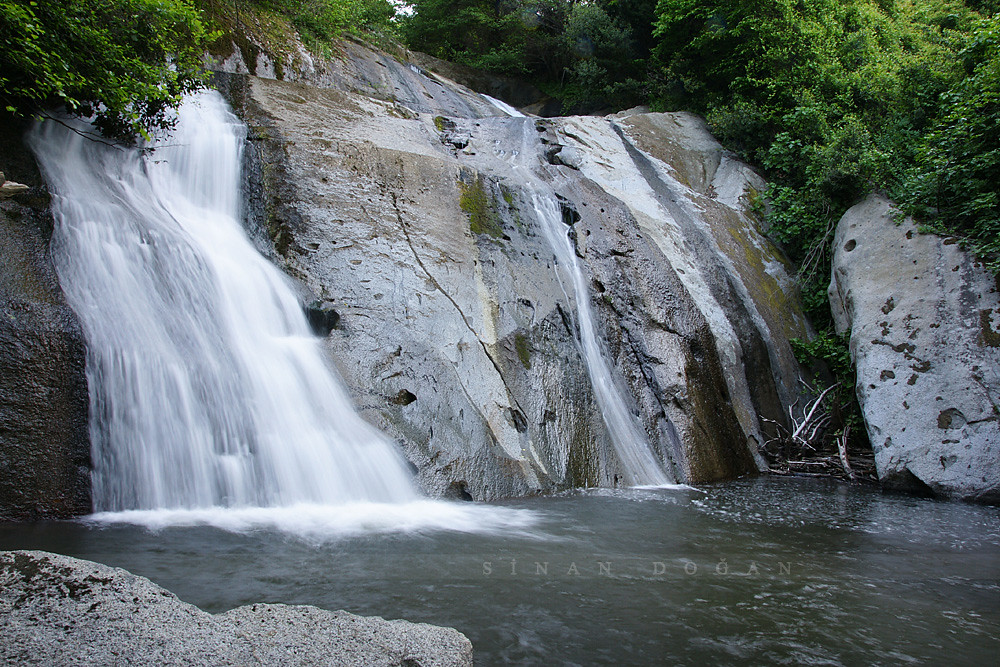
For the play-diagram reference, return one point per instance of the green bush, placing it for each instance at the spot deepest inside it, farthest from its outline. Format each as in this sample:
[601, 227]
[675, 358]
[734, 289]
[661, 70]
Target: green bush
[837, 98]
[954, 184]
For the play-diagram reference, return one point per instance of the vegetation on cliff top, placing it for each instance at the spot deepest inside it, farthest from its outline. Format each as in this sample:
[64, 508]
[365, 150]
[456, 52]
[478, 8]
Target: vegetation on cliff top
[127, 61]
[319, 23]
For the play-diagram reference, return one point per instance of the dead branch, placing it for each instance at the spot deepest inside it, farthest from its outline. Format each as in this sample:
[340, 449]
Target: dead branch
[842, 450]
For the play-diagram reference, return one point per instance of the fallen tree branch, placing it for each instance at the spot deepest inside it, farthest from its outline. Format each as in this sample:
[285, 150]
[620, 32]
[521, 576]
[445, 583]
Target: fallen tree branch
[798, 431]
[842, 450]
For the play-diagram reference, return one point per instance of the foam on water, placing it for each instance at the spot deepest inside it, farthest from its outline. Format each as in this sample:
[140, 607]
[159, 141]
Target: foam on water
[325, 522]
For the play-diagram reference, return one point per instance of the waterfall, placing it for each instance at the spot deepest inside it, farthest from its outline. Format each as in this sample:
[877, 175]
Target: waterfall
[207, 387]
[638, 461]
[503, 106]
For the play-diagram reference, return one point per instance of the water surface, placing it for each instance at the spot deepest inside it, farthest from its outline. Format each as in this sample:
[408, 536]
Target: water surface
[755, 571]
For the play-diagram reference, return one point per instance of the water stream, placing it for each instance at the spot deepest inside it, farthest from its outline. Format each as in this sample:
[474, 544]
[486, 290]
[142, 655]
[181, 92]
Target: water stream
[503, 106]
[639, 464]
[208, 388]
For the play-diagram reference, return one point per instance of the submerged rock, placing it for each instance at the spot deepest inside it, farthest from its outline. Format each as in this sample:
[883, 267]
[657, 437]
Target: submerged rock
[432, 254]
[923, 316]
[56, 610]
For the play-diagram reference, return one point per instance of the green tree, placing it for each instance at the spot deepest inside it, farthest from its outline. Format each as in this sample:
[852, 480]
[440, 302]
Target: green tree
[955, 182]
[830, 97]
[603, 59]
[492, 35]
[127, 61]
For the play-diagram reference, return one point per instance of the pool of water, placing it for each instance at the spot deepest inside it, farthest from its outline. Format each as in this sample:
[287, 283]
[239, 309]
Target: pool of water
[755, 571]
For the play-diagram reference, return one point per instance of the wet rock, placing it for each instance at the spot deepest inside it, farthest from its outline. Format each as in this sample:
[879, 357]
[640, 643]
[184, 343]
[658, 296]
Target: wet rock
[44, 440]
[56, 610]
[702, 303]
[448, 291]
[922, 314]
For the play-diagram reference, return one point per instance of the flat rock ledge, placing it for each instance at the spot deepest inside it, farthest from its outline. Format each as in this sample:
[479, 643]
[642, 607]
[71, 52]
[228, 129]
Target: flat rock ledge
[56, 610]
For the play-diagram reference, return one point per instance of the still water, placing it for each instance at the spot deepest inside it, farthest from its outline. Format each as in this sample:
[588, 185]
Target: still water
[756, 571]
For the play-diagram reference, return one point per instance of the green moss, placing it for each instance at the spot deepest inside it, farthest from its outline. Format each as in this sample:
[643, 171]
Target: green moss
[483, 217]
[508, 195]
[439, 123]
[990, 337]
[523, 351]
[756, 203]
[581, 466]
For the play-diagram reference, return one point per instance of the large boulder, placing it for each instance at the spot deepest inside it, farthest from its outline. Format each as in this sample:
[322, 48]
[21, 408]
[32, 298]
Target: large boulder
[924, 318]
[44, 441]
[56, 610]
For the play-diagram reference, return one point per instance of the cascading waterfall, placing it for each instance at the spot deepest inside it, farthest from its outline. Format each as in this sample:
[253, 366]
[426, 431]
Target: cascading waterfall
[207, 387]
[503, 106]
[638, 461]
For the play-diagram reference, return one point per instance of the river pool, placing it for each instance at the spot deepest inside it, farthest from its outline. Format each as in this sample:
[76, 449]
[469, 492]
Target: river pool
[763, 570]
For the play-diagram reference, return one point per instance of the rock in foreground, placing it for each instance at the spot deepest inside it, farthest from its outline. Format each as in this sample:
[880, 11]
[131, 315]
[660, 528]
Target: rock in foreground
[56, 610]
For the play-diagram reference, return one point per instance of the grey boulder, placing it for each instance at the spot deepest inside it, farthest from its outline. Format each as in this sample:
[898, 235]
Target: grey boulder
[56, 610]
[924, 317]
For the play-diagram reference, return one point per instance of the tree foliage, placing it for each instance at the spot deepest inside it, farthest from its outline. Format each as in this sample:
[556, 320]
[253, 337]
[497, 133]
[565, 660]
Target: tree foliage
[589, 54]
[832, 98]
[954, 184]
[320, 22]
[127, 61]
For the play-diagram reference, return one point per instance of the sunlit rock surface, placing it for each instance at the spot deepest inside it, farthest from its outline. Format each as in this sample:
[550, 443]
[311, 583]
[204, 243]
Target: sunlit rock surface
[924, 318]
[56, 610]
[414, 224]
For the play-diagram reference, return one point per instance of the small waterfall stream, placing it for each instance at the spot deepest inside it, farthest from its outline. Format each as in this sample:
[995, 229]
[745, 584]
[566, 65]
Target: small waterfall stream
[630, 442]
[207, 386]
[638, 461]
[503, 106]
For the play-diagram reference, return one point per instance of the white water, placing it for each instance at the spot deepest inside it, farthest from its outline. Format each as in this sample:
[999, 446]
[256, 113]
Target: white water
[503, 106]
[322, 522]
[207, 387]
[639, 464]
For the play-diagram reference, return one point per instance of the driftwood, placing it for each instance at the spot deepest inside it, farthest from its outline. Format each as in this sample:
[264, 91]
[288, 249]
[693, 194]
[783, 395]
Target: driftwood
[842, 450]
[810, 448]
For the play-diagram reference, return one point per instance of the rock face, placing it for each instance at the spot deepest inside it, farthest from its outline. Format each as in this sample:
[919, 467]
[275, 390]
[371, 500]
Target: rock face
[924, 318]
[417, 228]
[44, 442]
[56, 610]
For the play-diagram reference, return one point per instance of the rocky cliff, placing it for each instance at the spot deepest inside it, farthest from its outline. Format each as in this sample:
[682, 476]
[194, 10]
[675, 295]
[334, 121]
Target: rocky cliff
[924, 318]
[408, 210]
[44, 442]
